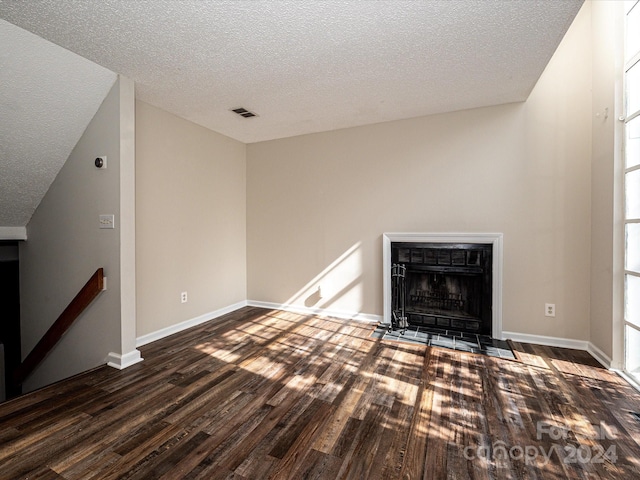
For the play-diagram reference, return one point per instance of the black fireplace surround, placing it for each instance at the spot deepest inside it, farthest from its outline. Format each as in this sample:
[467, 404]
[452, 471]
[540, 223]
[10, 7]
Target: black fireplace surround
[447, 285]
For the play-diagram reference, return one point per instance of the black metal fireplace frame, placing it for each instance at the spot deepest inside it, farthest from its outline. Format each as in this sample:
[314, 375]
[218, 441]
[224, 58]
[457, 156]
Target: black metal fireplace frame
[472, 260]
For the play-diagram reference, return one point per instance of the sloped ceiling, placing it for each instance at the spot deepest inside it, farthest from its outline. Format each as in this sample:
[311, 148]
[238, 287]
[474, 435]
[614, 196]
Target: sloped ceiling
[48, 96]
[303, 66]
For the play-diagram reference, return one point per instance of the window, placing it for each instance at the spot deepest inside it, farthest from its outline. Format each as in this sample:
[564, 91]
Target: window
[632, 190]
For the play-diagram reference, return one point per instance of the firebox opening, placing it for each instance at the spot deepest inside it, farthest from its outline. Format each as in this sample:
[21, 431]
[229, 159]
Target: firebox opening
[446, 285]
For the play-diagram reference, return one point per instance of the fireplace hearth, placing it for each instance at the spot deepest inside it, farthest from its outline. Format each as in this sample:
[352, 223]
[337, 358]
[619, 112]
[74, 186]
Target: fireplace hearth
[444, 282]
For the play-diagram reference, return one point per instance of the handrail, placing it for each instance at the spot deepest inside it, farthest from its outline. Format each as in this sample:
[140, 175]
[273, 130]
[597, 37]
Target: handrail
[81, 301]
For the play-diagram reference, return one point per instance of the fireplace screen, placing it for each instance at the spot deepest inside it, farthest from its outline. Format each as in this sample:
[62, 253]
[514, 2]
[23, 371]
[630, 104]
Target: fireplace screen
[446, 285]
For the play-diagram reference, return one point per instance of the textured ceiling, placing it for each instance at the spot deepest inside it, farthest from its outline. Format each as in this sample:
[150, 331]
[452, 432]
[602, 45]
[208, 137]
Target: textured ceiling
[303, 66]
[48, 96]
[308, 65]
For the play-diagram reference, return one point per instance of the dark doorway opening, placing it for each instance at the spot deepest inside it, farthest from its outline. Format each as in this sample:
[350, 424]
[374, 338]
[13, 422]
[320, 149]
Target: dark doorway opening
[10, 314]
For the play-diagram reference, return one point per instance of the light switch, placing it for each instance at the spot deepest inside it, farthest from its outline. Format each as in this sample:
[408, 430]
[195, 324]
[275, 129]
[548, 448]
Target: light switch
[107, 221]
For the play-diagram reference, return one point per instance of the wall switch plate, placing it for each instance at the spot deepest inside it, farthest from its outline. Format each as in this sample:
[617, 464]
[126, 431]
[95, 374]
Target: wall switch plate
[107, 221]
[550, 309]
[183, 297]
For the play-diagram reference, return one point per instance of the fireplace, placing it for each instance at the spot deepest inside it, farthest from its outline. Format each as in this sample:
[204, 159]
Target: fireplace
[446, 285]
[445, 281]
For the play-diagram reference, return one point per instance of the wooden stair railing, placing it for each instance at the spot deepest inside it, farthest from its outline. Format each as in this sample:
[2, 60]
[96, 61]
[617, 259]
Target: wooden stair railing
[81, 301]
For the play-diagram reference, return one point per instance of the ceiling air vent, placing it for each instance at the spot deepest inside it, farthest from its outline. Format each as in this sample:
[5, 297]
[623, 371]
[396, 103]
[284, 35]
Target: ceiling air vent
[243, 112]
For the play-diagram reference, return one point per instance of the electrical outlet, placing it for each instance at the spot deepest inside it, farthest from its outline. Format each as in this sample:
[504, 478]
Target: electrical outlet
[183, 297]
[107, 221]
[550, 309]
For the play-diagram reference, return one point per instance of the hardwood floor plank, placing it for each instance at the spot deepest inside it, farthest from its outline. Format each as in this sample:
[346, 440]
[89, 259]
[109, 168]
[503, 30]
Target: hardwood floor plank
[18, 456]
[136, 439]
[277, 442]
[319, 466]
[173, 439]
[8, 434]
[37, 414]
[262, 393]
[347, 400]
[294, 424]
[138, 458]
[45, 473]
[360, 458]
[88, 466]
[295, 457]
[412, 466]
[254, 435]
[404, 380]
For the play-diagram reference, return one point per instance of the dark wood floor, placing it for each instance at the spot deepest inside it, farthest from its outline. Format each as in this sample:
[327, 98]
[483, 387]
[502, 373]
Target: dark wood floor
[266, 394]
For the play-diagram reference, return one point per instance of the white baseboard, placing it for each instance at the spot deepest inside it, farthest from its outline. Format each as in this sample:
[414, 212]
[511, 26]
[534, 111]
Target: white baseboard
[585, 345]
[358, 316]
[630, 380]
[544, 340]
[121, 362]
[165, 332]
[600, 356]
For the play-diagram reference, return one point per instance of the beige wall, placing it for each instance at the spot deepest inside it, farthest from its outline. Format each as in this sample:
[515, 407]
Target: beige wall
[606, 186]
[66, 246]
[556, 222]
[190, 220]
[299, 221]
[317, 205]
